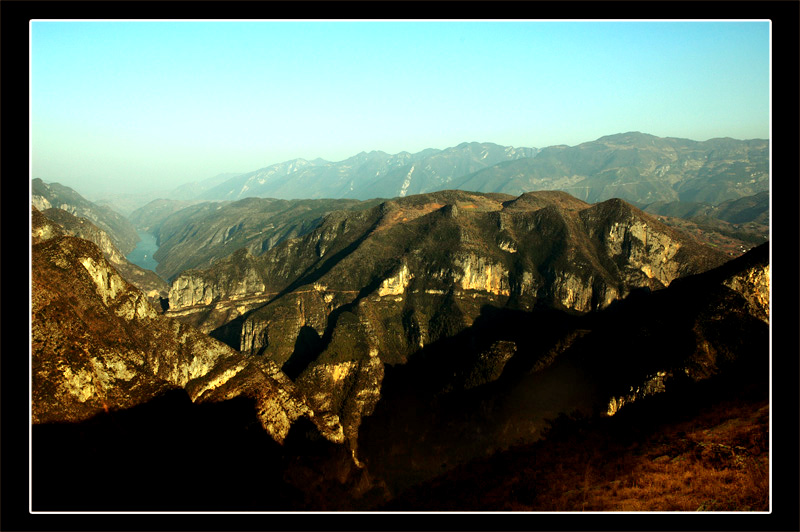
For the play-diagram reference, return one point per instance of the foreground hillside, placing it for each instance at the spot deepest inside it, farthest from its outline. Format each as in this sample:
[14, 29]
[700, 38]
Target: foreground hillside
[707, 450]
[127, 397]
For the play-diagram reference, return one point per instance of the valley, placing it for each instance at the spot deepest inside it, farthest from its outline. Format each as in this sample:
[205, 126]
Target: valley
[142, 254]
[420, 331]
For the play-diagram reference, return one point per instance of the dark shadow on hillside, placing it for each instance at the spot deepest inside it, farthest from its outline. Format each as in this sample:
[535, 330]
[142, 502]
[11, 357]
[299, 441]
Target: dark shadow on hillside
[230, 333]
[306, 349]
[431, 416]
[166, 455]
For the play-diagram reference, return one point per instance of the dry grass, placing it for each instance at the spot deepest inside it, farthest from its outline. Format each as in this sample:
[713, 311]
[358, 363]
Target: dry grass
[717, 461]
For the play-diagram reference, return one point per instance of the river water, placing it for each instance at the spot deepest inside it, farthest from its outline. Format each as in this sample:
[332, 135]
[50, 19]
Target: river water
[142, 255]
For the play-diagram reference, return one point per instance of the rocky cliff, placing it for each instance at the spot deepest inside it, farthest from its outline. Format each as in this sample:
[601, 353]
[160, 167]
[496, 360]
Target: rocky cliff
[56, 195]
[199, 235]
[390, 344]
[98, 345]
[147, 281]
[374, 287]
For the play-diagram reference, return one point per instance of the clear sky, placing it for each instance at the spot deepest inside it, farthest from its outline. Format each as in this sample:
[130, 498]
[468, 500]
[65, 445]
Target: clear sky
[130, 106]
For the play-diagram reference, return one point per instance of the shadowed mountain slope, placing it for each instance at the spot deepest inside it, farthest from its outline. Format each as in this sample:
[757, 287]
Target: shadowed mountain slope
[197, 236]
[376, 287]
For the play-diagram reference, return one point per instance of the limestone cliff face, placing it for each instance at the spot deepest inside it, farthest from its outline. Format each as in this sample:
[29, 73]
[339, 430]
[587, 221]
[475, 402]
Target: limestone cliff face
[374, 287]
[753, 285]
[479, 274]
[238, 286]
[396, 284]
[55, 195]
[652, 385]
[145, 280]
[40, 202]
[718, 320]
[278, 402]
[99, 345]
[348, 390]
[83, 228]
[646, 250]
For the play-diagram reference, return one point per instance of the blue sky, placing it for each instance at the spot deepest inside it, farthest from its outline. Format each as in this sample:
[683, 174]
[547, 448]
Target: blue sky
[132, 106]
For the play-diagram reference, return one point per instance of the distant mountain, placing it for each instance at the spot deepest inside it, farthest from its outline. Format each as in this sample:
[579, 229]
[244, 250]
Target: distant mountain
[149, 217]
[55, 195]
[636, 167]
[753, 208]
[195, 189]
[126, 204]
[367, 175]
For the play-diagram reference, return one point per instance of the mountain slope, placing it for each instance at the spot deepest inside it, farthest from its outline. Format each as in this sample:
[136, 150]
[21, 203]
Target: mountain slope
[98, 345]
[637, 167]
[684, 426]
[199, 235]
[146, 405]
[122, 233]
[376, 287]
[420, 332]
[145, 280]
[367, 175]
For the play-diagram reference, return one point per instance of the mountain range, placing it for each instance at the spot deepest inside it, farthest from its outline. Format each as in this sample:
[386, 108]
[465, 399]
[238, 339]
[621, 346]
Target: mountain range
[366, 354]
[389, 344]
[637, 167]
[634, 166]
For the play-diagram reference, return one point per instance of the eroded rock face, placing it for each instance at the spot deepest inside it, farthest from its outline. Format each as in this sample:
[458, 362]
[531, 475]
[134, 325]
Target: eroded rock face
[718, 322]
[753, 284]
[348, 390]
[374, 287]
[98, 345]
[479, 274]
[396, 285]
[147, 281]
[652, 385]
[55, 195]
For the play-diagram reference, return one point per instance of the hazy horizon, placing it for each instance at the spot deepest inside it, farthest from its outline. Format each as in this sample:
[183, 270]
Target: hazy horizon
[126, 107]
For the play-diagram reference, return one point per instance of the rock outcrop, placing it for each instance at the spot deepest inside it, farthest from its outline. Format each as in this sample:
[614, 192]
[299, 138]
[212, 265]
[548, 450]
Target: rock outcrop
[373, 287]
[56, 195]
[147, 281]
[98, 345]
[197, 236]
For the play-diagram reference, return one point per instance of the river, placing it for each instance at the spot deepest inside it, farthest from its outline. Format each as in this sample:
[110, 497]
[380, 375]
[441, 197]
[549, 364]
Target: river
[142, 255]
